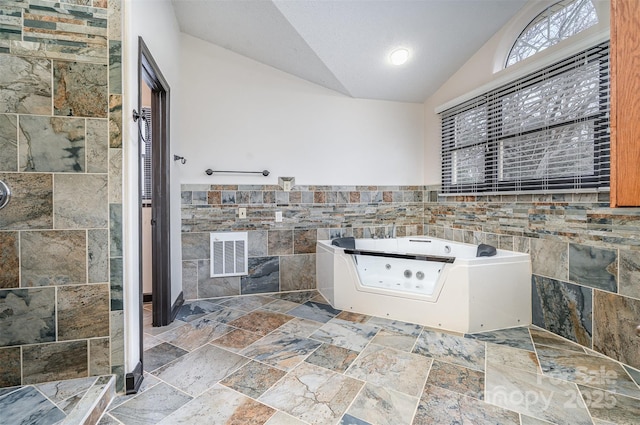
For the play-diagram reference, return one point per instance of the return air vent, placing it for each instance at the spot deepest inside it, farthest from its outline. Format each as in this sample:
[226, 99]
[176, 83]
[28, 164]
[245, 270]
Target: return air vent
[229, 252]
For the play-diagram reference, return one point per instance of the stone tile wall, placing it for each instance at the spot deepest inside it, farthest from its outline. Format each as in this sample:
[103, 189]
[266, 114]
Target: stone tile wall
[585, 259]
[60, 152]
[282, 255]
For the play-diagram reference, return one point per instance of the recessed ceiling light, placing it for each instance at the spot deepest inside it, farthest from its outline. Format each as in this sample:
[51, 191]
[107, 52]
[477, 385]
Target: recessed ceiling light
[399, 56]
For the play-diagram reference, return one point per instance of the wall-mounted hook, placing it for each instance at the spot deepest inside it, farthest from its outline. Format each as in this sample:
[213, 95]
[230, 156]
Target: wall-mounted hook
[182, 159]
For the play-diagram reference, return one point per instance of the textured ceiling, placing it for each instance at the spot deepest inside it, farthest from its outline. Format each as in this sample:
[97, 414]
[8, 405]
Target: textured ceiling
[344, 45]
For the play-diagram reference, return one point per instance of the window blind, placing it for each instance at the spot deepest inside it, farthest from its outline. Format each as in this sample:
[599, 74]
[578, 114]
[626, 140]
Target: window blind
[546, 131]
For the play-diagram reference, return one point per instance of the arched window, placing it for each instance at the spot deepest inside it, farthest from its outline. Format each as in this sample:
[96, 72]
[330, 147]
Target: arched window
[556, 23]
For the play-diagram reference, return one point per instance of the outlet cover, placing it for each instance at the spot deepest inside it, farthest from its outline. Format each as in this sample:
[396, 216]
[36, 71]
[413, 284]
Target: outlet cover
[242, 213]
[278, 216]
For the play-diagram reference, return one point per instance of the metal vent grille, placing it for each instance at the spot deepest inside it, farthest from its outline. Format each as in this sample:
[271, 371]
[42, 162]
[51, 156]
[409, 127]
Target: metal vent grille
[229, 252]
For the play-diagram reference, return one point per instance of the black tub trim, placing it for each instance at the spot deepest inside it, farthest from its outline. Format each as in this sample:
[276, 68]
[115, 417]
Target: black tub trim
[418, 257]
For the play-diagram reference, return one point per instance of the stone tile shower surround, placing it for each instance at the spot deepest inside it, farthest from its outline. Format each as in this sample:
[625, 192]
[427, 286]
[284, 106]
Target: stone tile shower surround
[282, 255]
[585, 259]
[61, 154]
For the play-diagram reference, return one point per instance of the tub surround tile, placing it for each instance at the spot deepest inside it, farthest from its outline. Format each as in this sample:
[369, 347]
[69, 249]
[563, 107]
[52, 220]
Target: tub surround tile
[503, 355]
[549, 258]
[8, 143]
[25, 86]
[97, 146]
[458, 379]
[10, 373]
[260, 322]
[629, 273]
[315, 311]
[27, 316]
[28, 406]
[616, 318]
[513, 337]
[151, 406]
[195, 333]
[464, 352]
[236, 340]
[80, 201]
[304, 241]
[115, 121]
[98, 255]
[116, 276]
[115, 66]
[258, 242]
[99, 356]
[195, 246]
[253, 379]
[593, 371]
[31, 205]
[313, 394]
[264, 276]
[398, 370]
[281, 350]
[83, 311]
[9, 260]
[115, 176]
[53, 257]
[349, 335]
[161, 354]
[383, 406]
[331, 357]
[51, 144]
[593, 267]
[54, 361]
[115, 230]
[529, 394]
[438, 405]
[211, 287]
[80, 89]
[199, 370]
[563, 308]
[297, 272]
[610, 408]
[117, 338]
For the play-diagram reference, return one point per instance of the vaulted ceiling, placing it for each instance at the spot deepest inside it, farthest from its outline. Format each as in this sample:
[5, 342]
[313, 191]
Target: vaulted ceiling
[344, 44]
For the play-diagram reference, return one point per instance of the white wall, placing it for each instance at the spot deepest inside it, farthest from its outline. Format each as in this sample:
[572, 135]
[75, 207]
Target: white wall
[486, 67]
[239, 114]
[154, 20]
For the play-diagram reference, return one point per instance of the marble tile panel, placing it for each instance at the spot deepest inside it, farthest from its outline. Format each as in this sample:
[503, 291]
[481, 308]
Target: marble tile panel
[9, 260]
[615, 321]
[593, 267]
[98, 255]
[350, 335]
[236, 340]
[353, 317]
[297, 272]
[549, 258]
[80, 89]
[535, 395]
[115, 121]
[504, 355]
[280, 242]
[258, 245]
[313, 394]
[331, 357]
[99, 356]
[461, 351]
[210, 287]
[438, 405]
[186, 197]
[396, 326]
[281, 349]
[629, 273]
[151, 406]
[584, 369]
[513, 337]
[10, 372]
[83, 311]
[199, 370]
[80, 201]
[190, 280]
[383, 406]
[247, 303]
[458, 379]
[253, 379]
[304, 241]
[609, 407]
[115, 66]
[25, 85]
[31, 205]
[260, 322]
[195, 333]
[195, 246]
[115, 175]
[280, 306]
[51, 144]
[117, 338]
[54, 361]
[97, 145]
[161, 354]
[221, 405]
[115, 230]
[194, 310]
[53, 257]
[314, 311]
[116, 283]
[29, 406]
[8, 143]
[563, 308]
[27, 316]
[264, 276]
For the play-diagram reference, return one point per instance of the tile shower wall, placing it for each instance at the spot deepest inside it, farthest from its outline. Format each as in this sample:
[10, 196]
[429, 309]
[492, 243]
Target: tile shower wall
[585, 259]
[282, 255]
[60, 153]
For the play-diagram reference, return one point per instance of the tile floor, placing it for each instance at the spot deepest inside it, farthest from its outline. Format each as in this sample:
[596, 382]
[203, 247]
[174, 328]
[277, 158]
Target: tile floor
[291, 359]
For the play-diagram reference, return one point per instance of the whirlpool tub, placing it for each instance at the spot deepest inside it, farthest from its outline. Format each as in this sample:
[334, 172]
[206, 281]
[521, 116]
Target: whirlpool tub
[428, 281]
